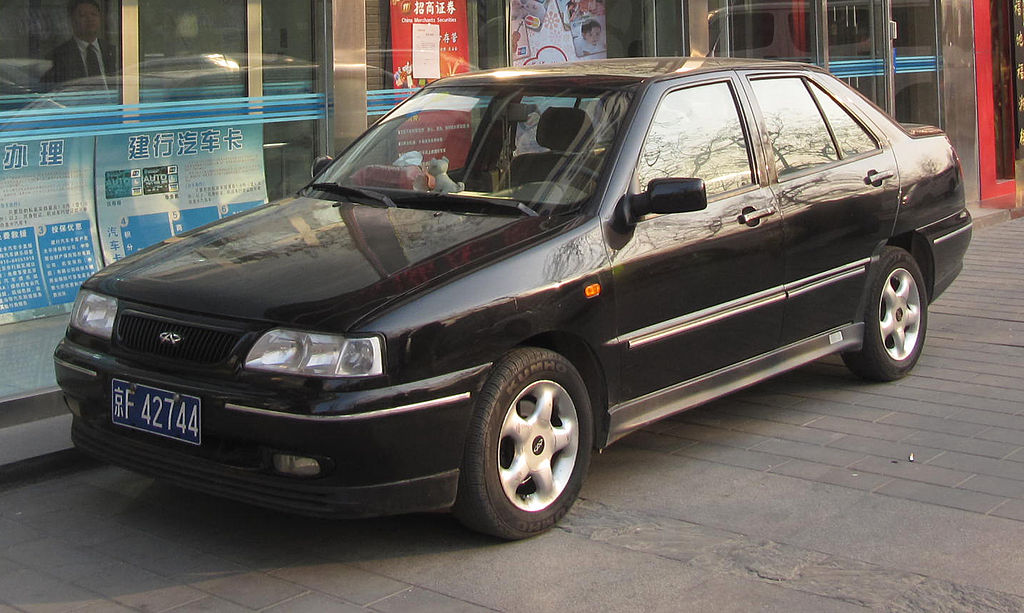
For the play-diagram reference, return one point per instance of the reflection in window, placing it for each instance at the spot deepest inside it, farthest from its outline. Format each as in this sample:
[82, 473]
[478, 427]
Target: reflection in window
[852, 138]
[796, 130]
[59, 53]
[191, 49]
[696, 133]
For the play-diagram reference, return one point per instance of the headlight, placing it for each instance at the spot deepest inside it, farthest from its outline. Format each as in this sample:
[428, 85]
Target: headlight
[94, 314]
[316, 355]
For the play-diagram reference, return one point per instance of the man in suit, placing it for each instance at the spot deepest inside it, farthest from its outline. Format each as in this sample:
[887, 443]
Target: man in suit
[85, 54]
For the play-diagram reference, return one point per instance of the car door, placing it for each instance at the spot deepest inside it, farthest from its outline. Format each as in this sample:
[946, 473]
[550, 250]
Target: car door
[837, 188]
[698, 291]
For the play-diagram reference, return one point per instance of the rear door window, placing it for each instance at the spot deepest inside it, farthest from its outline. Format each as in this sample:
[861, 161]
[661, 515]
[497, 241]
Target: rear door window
[797, 133]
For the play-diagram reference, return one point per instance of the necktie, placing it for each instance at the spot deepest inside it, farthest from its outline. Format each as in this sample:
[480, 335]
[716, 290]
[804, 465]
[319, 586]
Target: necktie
[92, 61]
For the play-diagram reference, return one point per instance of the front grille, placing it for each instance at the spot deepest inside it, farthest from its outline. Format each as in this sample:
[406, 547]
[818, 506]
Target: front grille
[178, 341]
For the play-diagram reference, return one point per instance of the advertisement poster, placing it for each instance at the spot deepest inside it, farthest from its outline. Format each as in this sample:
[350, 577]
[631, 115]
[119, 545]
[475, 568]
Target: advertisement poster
[554, 31]
[47, 228]
[430, 40]
[155, 185]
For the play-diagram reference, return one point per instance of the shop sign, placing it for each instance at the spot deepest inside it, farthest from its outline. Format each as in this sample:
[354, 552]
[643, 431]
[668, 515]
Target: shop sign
[47, 225]
[1018, 80]
[553, 31]
[151, 186]
[430, 40]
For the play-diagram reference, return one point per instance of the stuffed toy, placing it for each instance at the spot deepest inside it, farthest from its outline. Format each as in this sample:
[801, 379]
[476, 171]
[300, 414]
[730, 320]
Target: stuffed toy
[438, 168]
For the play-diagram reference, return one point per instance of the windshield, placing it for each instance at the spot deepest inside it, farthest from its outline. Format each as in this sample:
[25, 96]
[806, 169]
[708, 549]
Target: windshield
[531, 147]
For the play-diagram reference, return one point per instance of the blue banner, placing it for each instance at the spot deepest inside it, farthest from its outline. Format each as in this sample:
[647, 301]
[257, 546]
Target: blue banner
[47, 244]
[151, 186]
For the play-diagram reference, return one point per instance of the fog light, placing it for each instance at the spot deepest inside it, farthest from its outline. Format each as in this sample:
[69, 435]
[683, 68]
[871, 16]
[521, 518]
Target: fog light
[296, 465]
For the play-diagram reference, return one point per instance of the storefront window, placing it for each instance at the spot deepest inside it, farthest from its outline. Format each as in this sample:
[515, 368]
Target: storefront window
[762, 29]
[191, 49]
[916, 63]
[856, 46]
[218, 114]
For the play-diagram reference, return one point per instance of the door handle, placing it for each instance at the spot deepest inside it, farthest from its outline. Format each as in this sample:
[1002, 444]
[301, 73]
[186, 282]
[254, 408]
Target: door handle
[751, 216]
[875, 178]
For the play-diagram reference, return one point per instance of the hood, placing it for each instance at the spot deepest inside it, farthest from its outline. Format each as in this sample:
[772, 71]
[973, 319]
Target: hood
[310, 263]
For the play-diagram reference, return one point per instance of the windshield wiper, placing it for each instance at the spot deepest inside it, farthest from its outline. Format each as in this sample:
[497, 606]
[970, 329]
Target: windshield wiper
[348, 190]
[495, 202]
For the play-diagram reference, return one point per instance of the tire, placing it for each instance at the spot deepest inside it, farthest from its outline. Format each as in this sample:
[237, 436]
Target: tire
[525, 459]
[895, 319]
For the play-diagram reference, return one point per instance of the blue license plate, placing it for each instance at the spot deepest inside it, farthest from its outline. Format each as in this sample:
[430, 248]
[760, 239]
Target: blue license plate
[157, 411]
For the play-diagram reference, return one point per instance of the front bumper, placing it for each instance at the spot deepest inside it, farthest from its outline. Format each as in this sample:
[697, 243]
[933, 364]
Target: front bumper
[384, 451]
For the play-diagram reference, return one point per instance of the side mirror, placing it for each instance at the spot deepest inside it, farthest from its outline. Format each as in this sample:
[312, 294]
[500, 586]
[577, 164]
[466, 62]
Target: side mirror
[668, 196]
[319, 165]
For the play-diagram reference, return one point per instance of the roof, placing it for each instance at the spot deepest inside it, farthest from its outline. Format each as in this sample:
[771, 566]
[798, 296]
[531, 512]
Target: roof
[621, 70]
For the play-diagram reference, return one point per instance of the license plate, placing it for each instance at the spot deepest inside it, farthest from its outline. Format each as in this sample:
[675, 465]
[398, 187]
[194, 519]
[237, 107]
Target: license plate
[157, 411]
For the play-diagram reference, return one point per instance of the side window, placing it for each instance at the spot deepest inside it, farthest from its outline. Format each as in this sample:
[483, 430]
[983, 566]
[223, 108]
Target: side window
[697, 133]
[853, 139]
[796, 130]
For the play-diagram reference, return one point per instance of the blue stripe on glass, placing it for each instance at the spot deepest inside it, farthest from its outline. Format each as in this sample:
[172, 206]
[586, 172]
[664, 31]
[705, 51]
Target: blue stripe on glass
[91, 120]
[876, 67]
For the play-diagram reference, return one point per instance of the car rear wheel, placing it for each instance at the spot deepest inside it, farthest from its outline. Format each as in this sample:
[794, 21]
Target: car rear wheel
[895, 321]
[528, 446]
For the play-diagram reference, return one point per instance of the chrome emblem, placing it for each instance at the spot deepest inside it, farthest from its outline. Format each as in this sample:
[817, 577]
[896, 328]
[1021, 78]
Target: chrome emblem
[170, 338]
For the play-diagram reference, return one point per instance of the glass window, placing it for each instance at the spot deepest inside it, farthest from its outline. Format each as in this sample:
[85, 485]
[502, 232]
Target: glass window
[539, 145]
[191, 49]
[796, 130]
[761, 29]
[697, 133]
[55, 52]
[853, 139]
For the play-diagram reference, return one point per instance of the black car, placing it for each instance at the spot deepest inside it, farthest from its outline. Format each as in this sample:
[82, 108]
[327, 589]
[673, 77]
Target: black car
[512, 269]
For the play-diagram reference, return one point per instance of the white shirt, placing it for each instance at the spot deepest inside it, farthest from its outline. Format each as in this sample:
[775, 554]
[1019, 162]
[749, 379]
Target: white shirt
[93, 47]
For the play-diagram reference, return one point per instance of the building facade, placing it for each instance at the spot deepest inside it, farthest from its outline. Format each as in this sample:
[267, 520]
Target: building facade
[127, 122]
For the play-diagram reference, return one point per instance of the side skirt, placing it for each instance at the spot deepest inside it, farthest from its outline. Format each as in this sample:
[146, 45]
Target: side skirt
[629, 416]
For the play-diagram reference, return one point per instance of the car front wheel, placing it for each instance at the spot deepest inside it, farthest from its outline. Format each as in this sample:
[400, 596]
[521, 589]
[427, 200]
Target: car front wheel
[895, 320]
[528, 446]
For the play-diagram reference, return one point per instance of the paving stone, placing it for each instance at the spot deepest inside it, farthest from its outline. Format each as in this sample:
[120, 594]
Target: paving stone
[655, 442]
[211, 604]
[938, 595]
[314, 603]
[33, 591]
[977, 464]
[963, 444]
[718, 436]
[138, 588]
[341, 580]
[889, 450]
[990, 418]
[855, 427]
[732, 456]
[14, 532]
[1002, 435]
[944, 496]
[823, 473]
[934, 424]
[1006, 488]
[811, 453]
[1011, 509]
[417, 599]
[254, 590]
[642, 532]
[912, 471]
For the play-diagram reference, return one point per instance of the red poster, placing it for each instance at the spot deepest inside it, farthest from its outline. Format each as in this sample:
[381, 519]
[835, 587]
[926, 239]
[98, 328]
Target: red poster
[438, 48]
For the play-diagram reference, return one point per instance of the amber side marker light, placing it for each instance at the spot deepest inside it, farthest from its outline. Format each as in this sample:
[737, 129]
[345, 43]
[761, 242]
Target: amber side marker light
[592, 291]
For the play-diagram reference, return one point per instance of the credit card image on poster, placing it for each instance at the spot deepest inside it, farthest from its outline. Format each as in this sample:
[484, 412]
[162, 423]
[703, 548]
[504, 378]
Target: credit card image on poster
[530, 12]
[520, 40]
